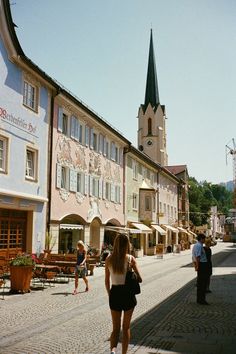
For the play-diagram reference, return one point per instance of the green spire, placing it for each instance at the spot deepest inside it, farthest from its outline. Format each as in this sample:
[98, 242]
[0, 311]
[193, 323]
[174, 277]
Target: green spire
[151, 94]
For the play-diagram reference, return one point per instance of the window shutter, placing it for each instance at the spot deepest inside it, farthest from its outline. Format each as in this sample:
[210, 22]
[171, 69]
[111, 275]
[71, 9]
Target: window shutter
[104, 146]
[87, 135]
[77, 127]
[73, 181]
[112, 192]
[100, 143]
[90, 185]
[60, 119]
[86, 180]
[72, 127]
[91, 138]
[121, 156]
[104, 190]
[100, 188]
[58, 177]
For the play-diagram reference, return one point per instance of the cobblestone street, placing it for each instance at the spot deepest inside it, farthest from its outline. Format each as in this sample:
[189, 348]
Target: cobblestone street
[166, 320]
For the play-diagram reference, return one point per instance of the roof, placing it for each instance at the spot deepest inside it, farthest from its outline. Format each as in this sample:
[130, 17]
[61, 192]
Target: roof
[152, 93]
[176, 169]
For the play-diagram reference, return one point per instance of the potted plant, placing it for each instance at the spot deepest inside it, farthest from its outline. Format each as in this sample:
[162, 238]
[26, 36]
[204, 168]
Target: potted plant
[21, 271]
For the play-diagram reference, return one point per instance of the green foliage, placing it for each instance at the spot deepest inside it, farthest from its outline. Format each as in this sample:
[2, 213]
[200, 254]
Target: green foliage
[22, 260]
[204, 195]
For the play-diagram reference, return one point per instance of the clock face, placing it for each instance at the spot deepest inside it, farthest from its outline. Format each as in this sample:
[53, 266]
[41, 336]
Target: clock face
[149, 142]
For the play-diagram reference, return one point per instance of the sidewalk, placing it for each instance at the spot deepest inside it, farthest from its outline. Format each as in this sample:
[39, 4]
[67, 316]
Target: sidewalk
[180, 325]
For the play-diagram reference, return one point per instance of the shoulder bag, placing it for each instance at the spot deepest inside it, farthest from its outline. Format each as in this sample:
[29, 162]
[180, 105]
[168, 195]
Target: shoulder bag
[131, 280]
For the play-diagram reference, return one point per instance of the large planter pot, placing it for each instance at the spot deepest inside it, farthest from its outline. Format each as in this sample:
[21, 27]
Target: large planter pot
[20, 277]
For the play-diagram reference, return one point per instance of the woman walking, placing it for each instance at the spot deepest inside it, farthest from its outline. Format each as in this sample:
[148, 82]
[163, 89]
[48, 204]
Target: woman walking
[81, 269]
[120, 298]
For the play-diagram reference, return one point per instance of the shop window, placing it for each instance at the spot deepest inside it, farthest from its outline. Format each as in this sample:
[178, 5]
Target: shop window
[31, 164]
[30, 96]
[3, 154]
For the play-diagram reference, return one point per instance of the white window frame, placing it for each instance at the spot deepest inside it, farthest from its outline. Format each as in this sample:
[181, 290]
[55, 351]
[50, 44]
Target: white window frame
[30, 90]
[135, 201]
[31, 171]
[80, 183]
[108, 191]
[3, 154]
[64, 178]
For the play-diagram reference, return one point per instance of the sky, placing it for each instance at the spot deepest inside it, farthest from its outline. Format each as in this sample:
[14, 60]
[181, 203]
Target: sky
[98, 49]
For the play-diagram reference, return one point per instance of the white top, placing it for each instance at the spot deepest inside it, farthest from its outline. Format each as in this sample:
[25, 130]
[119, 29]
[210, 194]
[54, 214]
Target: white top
[119, 279]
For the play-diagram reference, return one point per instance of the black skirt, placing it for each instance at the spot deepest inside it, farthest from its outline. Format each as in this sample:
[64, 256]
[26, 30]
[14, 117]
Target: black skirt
[120, 298]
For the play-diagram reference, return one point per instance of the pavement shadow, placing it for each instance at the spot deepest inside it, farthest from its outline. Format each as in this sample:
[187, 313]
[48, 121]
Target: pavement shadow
[179, 323]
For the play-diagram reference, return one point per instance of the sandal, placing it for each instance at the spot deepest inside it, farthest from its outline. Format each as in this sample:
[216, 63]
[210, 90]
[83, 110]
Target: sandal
[75, 292]
[86, 289]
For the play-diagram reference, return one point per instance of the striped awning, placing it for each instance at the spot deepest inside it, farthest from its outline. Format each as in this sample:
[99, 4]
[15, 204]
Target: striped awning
[71, 227]
[168, 227]
[159, 229]
[143, 228]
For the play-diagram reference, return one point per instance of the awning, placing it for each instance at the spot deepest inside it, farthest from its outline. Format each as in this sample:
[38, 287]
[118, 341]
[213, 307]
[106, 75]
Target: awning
[121, 229]
[142, 227]
[183, 230]
[71, 227]
[168, 227]
[159, 229]
[192, 233]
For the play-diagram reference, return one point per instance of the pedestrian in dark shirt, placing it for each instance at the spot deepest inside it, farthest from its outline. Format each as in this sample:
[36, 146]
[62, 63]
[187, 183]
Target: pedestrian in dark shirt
[208, 252]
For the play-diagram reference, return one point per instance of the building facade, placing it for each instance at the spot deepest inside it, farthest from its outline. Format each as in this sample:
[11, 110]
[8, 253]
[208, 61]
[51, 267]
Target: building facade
[24, 127]
[87, 176]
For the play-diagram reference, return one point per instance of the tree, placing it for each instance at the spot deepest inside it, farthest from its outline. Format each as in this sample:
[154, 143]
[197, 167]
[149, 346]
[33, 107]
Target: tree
[204, 195]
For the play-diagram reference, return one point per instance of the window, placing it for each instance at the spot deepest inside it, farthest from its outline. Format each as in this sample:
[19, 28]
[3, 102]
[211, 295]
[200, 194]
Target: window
[86, 135]
[30, 96]
[108, 191]
[107, 150]
[64, 124]
[95, 187]
[31, 164]
[3, 154]
[147, 203]
[64, 178]
[80, 183]
[149, 126]
[135, 201]
[95, 142]
[135, 169]
[117, 194]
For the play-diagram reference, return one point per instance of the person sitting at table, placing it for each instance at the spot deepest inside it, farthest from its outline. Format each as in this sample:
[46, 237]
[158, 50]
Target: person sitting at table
[81, 269]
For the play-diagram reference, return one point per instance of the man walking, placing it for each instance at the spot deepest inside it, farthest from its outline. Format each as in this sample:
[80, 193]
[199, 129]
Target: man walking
[200, 263]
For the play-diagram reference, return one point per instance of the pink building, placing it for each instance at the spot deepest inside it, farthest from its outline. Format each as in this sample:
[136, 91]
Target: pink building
[86, 189]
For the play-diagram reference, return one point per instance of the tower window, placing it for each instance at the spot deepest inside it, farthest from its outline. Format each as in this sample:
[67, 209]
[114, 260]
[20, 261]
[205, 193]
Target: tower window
[149, 126]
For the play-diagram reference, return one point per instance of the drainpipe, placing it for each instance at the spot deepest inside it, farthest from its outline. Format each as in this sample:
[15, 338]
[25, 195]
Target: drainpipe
[126, 150]
[50, 137]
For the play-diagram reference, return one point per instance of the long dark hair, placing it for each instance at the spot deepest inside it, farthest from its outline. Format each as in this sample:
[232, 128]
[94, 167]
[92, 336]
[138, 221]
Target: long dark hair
[120, 249]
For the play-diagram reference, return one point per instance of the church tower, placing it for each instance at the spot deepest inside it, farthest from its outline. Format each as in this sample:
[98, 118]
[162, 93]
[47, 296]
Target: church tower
[151, 117]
